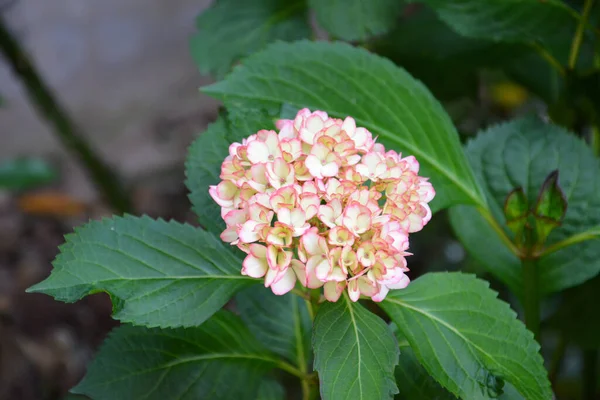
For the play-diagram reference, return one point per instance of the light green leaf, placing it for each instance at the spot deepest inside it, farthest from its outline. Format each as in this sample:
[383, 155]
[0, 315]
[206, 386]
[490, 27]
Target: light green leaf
[522, 153]
[344, 80]
[157, 273]
[25, 173]
[356, 19]
[466, 338]
[218, 360]
[280, 322]
[414, 383]
[270, 389]
[355, 353]
[508, 20]
[231, 29]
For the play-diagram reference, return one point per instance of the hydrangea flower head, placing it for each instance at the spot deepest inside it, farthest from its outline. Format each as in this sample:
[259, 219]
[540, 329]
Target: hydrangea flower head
[321, 203]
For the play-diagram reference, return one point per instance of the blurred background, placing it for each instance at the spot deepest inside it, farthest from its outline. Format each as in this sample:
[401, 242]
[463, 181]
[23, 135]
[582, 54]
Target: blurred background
[122, 73]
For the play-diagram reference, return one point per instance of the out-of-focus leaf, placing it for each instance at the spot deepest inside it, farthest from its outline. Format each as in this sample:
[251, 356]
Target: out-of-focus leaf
[501, 20]
[25, 173]
[231, 29]
[356, 19]
[51, 204]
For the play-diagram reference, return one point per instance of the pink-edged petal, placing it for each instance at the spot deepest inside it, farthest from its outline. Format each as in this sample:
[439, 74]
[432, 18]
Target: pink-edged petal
[333, 290]
[380, 296]
[285, 283]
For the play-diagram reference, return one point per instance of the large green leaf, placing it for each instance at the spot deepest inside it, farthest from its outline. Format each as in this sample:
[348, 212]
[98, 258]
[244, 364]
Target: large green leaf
[523, 153]
[217, 360]
[344, 80]
[157, 273]
[231, 29]
[356, 19]
[355, 353]
[509, 20]
[466, 338]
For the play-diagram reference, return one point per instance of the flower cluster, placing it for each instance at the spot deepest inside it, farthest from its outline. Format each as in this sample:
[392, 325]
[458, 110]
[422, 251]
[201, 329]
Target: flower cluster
[321, 203]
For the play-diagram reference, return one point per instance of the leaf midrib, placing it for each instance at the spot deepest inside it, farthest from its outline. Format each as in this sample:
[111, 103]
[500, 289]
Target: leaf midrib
[384, 132]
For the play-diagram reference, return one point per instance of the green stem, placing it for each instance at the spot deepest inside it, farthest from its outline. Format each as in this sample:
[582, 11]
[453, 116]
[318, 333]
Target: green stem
[590, 374]
[593, 233]
[531, 296]
[41, 97]
[578, 38]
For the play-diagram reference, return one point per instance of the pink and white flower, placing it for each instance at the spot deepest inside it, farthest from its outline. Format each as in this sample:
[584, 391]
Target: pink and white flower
[319, 203]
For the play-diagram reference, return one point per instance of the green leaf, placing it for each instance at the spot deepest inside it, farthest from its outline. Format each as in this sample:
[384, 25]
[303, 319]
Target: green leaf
[25, 173]
[551, 202]
[512, 20]
[522, 153]
[344, 80]
[280, 322]
[232, 29]
[355, 353]
[157, 273]
[414, 382]
[466, 338]
[270, 389]
[218, 360]
[356, 19]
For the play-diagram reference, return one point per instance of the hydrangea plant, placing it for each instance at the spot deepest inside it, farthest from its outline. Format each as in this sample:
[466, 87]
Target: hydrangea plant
[324, 159]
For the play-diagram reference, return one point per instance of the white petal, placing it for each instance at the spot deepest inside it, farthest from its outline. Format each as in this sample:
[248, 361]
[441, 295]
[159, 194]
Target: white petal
[285, 284]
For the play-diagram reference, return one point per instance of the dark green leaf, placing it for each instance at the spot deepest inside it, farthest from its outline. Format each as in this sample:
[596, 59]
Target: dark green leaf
[157, 273]
[466, 338]
[355, 353]
[25, 173]
[517, 20]
[356, 19]
[231, 29]
[280, 322]
[447, 62]
[343, 80]
[523, 153]
[218, 360]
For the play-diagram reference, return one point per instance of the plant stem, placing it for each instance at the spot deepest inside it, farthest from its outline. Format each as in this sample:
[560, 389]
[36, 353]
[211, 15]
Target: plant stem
[595, 142]
[40, 95]
[557, 357]
[593, 233]
[531, 296]
[577, 39]
[590, 374]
